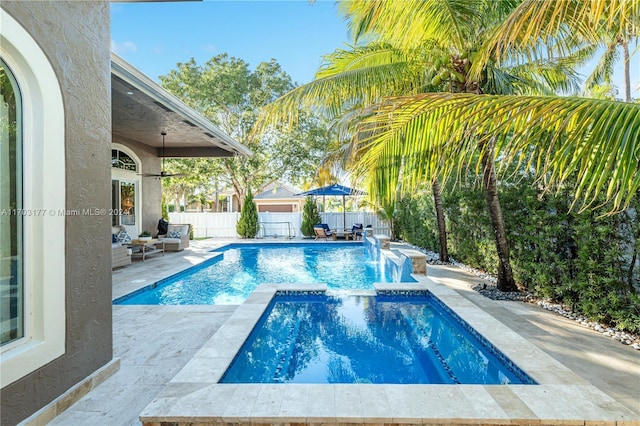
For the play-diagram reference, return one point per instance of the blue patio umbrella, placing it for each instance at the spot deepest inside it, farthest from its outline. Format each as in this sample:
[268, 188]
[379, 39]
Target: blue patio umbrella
[334, 190]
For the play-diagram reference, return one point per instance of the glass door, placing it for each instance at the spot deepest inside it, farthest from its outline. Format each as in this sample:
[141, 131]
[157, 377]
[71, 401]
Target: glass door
[124, 205]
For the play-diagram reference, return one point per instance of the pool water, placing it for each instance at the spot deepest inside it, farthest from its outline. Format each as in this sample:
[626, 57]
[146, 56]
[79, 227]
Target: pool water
[401, 339]
[231, 277]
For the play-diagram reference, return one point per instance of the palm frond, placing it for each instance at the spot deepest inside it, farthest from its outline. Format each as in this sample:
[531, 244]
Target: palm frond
[360, 57]
[446, 22]
[348, 80]
[599, 140]
[544, 77]
[603, 72]
[534, 23]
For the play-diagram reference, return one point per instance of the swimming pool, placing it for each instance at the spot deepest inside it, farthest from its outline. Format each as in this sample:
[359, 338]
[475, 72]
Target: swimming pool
[408, 338]
[229, 278]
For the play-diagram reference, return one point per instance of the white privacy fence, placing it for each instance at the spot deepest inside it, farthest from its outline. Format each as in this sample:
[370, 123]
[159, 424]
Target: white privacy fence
[272, 225]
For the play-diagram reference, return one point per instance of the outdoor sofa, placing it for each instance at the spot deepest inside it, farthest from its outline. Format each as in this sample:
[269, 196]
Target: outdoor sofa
[120, 253]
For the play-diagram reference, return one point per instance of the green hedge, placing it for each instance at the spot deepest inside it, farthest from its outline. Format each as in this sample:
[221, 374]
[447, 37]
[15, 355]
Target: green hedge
[415, 221]
[581, 260]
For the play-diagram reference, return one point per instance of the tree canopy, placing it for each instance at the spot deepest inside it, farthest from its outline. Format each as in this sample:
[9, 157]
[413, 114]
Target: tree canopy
[227, 92]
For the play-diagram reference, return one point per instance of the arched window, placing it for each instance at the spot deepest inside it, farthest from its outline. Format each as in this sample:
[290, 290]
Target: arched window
[122, 160]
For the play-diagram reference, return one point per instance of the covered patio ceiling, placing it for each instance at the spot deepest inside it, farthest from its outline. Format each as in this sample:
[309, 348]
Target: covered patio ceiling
[141, 109]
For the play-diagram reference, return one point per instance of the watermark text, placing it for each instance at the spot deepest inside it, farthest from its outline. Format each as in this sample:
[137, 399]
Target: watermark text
[63, 212]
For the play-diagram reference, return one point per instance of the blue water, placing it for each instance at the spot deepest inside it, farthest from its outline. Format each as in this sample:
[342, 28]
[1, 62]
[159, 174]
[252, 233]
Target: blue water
[367, 339]
[230, 278]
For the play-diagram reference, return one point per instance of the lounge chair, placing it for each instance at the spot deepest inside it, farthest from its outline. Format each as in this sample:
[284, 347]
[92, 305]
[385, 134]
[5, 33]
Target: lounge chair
[323, 232]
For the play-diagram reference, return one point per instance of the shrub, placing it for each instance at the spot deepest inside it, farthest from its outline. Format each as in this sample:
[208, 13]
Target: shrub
[469, 233]
[310, 217]
[248, 226]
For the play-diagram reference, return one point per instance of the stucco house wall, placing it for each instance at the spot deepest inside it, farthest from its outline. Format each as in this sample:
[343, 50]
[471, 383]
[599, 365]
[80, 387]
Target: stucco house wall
[75, 37]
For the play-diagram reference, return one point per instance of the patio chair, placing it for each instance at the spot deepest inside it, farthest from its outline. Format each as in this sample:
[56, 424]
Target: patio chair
[323, 232]
[176, 238]
[356, 231]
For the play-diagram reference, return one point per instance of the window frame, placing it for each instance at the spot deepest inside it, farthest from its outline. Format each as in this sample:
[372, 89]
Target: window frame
[6, 163]
[44, 190]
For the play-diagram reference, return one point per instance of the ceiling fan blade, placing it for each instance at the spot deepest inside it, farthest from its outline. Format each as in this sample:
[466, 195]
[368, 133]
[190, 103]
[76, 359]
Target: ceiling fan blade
[163, 173]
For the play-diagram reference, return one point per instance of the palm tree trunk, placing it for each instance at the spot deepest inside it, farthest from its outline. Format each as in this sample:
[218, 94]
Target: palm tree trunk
[627, 79]
[442, 228]
[505, 274]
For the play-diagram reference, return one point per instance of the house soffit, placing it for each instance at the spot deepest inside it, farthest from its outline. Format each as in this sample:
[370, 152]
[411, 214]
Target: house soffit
[141, 109]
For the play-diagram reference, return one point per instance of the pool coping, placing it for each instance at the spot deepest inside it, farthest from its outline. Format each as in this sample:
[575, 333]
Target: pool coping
[561, 396]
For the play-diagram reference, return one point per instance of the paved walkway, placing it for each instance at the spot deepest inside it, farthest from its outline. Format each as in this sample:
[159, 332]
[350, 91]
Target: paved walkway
[154, 342]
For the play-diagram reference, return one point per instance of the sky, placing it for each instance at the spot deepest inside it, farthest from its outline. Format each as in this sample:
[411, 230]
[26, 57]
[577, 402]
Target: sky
[155, 36]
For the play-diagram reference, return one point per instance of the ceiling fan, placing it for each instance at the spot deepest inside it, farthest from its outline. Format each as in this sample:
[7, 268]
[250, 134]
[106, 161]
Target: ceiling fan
[163, 173]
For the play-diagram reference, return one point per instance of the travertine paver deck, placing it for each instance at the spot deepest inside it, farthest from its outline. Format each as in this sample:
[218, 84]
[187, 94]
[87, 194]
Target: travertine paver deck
[155, 342]
[194, 395]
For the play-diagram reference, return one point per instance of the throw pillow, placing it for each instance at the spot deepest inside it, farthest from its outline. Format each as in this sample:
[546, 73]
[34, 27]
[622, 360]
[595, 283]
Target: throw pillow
[174, 234]
[123, 237]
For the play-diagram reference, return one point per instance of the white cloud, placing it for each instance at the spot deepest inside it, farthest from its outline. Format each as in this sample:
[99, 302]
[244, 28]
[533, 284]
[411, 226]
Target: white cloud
[210, 48]
[127, 46]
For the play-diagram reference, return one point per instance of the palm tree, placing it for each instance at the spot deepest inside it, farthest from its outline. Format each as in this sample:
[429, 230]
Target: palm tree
[610, 24]
[463, 24]
[456, 126]
[350, 82]
[440, 132]
[458, 30]
[596, 139]
[614, 45]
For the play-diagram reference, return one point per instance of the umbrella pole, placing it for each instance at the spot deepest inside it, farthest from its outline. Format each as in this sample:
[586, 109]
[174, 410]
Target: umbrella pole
[344, 214]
